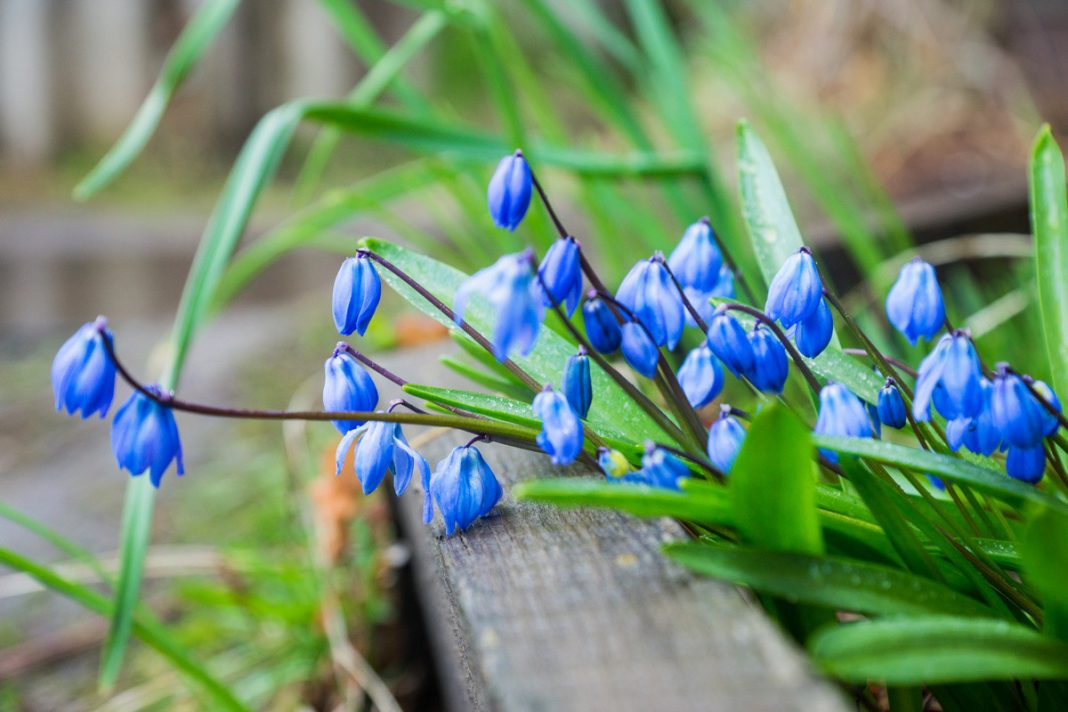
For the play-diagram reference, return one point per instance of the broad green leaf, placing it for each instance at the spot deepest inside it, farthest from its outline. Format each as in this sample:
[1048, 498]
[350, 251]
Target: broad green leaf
[486, 379]
[709, 507]
[938, 649]
[62, 543]
[1045, 557]
[1049, 220]
[841, 584]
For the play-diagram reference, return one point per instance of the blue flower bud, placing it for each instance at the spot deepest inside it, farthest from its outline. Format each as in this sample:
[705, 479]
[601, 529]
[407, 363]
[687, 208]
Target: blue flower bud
[576, 384]
[914, 305]
[1026, 464]
[560, 274]
[660, 468]
[357, 290]
[841, 413]
[701, 376]
[728, 341]
[509, 191]
[144, 436]
[1052, 423]
[464, 488]
[891, 406]
[602, 329]
[725, 439]
[650, 294]
[950, 377]
[696, 260]
[796, 290]
[83, 375]
[561, 429]
[639, 350]
[614, 465]
[348, 387]
[811, 335]
[1017, 414]
[379, 448]
[770, 365]
[510, 287]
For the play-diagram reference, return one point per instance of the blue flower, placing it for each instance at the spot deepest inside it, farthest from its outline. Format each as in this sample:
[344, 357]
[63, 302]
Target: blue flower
[978, 433]
[702, 300]
[357, 290]
[1026, 464]
[509, 191]
[614, 465]
[770, 366]
[561, 429]
[576, 384]
[348, 387]
[701, 376]
[83, 374]
[914, 305]
[602, 328]
[649, 292]
[729, 342]
[841, 413]
[891, 406]
[382, 447]
[1017, 414]
[814, 333]
[463, 487]
[560, 275]
[725, 439]
[511, 289]
[639, 350]
[950, 377]
[144, 436]
[1052, 422]
[696, 260]
[660, 468]
[796, 290]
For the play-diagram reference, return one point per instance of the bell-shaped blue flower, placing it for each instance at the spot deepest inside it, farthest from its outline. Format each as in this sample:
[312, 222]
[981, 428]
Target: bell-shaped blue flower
[510, 191]
[696, 260]
[1026, 463]
[660, 468]
[464, 488]
[978, 434]
[83, 374]
[1052, 422]
[812, 334]
[841, 413]
[144, 436]
[357, 290]
[914, 305]
[650, 294]
[950, 377]
[510, 287]
[381, 447]
[1017, 414]
[796, 290]
[602, 327]
[560, 275]
[348, 387]
[730, 343]
[576, 384]
[891, 406]
[561, 429]
[701, 376]
[614, 465]
[770, 365]
[702, 299]
[725, 439]
[639, 350]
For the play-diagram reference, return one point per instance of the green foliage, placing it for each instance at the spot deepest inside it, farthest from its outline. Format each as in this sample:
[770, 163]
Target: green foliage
[1049, 220]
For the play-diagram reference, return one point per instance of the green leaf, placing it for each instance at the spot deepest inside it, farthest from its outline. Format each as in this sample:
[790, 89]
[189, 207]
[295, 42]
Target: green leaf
[840, 584]
[186, 52]
[1049, 220]
[1045, 558]
[704, 507]
[485, 378]
[67, 546]
[938, 649]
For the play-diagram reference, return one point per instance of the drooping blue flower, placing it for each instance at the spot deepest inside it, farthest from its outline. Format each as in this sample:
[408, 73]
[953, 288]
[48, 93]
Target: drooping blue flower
[1017, 414]
[811, 335]
[144, 436]
[1026, 463]
[602, 328]
[770, 365]
[83, 374]
[796, 290]
[660, 468]
[357, 290]
[510, 287]
[914, 305]
[841, 413]
[978, 434]
[464, 488]
[381, 447]
[696, 260]
[639, 350]
[614, 465]
[701, 376]
[1052, 422]
[949, 377]
[873, 417]
[891, 406]
[576, 383]
[650, 294]
[560, 274]
[729, 342]
[510, 191]
[702, 300]
[561, 429]
[348, 387]
[725, 439]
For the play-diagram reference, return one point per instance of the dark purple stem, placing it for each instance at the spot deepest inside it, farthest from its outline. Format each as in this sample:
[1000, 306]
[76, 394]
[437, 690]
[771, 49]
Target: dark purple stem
[548, 206]
[372, 364]
[798, 359]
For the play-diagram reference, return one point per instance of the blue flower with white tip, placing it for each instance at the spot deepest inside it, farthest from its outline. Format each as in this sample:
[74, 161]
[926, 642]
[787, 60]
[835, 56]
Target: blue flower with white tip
[381, 447]
[696, 260]
[357, 290]
[914, 305]
[950, 378]
[651, 296]
[560, 275]
[348, 387]
[561, 429]
[510, 287]
[83, 374]
[725, 439]
[144, 436]
[770, 365]
[576, 385]
[463, 487]
[796, 290]
[841, 413]
[602, 328]
[701, 376]
[1052, 422]
[509, 191]
[729, 342]
[639, 350]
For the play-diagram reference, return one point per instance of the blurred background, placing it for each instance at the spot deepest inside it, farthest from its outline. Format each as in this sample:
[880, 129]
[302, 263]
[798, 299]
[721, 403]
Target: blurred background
[894, 123]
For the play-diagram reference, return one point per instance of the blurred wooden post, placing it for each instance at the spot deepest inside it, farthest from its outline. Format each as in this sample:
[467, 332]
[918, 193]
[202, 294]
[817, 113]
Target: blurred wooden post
[26, 119]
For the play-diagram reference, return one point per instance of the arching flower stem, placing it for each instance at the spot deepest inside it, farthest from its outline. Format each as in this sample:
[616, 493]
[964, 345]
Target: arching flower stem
[1030, 384]
[685, 300]
[375, 366]
[548, 206]
[797, 358]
